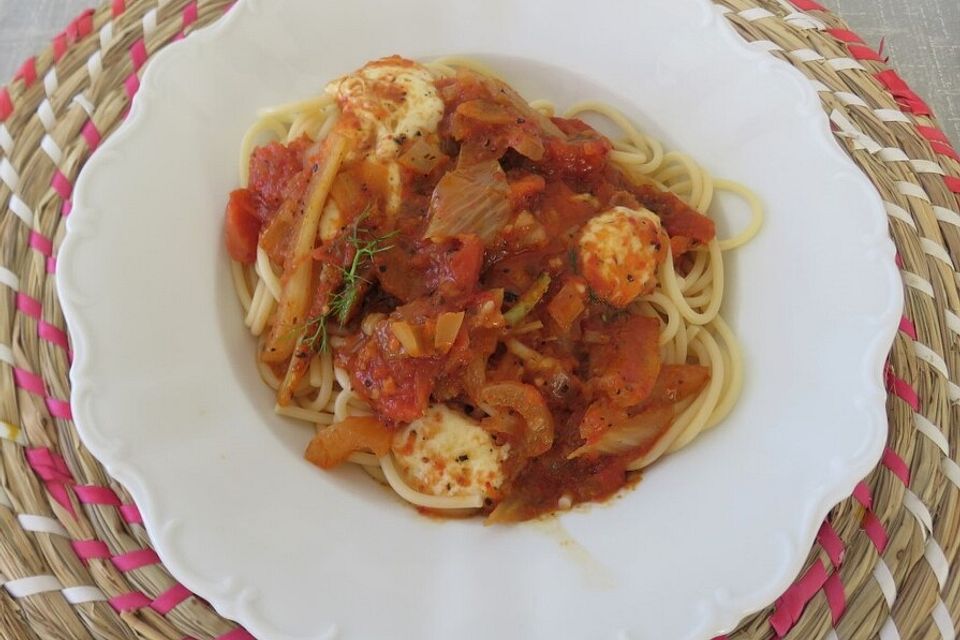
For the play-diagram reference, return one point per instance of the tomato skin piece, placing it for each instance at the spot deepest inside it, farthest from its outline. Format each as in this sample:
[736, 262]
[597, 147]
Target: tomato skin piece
[525, 189]
[677, 382]
[242, 226]
[458, 272]
[601, 416]
[581, 155]
[688, 223]
[679, 219]
[626, 369]
[271, 168]
[398, 387]
[411, 270]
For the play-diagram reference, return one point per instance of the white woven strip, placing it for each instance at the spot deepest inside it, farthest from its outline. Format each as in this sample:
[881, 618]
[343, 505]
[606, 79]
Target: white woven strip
[941, 617]
[801, 21]
[87, 106]
[914, 281]
[6, 142]
[9, 175]
[22, 211]
[889, 630]
[52, 149]
[47, 117]
[850, 99]
[888, 587]
[927, 166]
[953, 321]
[898, 212]
[930, 430]
[919, 510]
[892, 154]
[931, 357]
[806, 55]
[951, 470]
[831, 635]
[891, 115]
[766, 45]
[95, 65]
[850, 130]
[913, 190]
[50, 82]
[26, 587]
[42, 524]
[947, 215]
[789, 8]
[6, 354]
[843, 123]
[954, 392]
[937, 561]
[79, 595]
[106, 35]
[845, 64]
[149, 23]
[756, 13]
[9, 278]
[819, 87]
[935, 250]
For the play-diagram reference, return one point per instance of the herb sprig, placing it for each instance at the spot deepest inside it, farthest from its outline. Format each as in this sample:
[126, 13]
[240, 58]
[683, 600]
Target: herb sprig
[343, 300]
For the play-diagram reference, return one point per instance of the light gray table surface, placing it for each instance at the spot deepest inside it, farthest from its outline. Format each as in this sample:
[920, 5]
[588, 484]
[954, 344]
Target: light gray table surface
[922, 38]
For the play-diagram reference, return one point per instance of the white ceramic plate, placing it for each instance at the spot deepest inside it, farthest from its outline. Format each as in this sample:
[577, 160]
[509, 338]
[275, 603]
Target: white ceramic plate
[165, 392]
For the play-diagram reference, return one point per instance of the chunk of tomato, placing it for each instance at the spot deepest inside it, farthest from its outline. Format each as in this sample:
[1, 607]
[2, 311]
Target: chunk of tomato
[463, 265]
[524, 189]
[678, 218]
[626, 369]
[583, 153]
[271, 168]
[242, 226]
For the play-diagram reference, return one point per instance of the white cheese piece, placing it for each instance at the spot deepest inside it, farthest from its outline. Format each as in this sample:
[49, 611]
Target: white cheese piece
[393, 102]
[620, 250]
[445, 453]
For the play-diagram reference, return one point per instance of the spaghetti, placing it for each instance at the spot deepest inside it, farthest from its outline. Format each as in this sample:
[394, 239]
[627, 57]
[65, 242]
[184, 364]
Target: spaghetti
[485, 306]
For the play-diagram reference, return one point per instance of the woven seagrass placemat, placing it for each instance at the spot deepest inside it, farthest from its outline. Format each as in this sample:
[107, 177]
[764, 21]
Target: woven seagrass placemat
[75, 560]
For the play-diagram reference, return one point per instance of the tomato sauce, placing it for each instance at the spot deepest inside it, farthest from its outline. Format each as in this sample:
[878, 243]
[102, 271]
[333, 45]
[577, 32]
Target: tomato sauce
[581, 365]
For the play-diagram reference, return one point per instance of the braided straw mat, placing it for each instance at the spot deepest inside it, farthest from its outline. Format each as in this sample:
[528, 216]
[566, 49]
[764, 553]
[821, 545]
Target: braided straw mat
[75, 560]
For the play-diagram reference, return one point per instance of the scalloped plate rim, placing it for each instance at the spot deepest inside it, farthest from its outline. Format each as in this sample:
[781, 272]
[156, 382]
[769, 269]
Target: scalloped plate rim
[71, 293]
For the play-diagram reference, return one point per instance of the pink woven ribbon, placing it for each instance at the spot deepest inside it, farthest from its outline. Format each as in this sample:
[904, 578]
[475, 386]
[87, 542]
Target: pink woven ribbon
[56, 476]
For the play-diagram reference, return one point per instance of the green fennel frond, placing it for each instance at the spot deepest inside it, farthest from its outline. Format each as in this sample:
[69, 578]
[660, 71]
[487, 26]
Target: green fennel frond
[346, 297]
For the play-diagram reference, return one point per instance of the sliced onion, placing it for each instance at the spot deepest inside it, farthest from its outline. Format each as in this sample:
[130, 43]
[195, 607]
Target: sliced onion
[507, 94]
[485, 111]
[448, 326]
[407, 336]
[638, 433]
[421, 157]
[470, 200]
